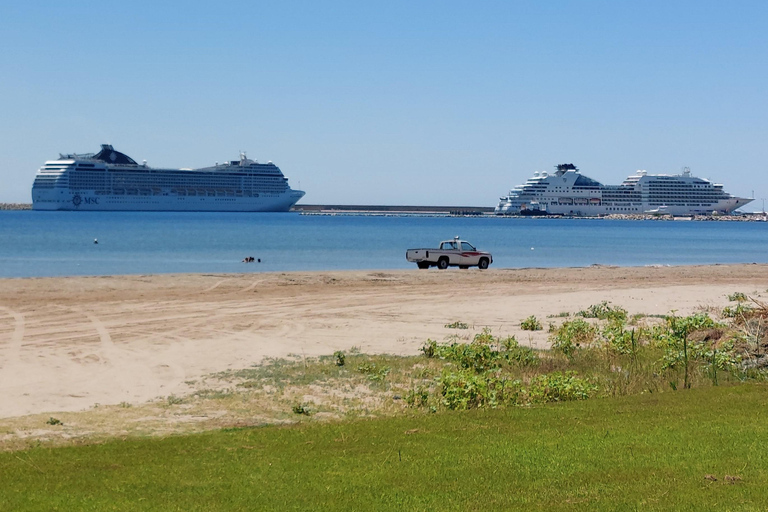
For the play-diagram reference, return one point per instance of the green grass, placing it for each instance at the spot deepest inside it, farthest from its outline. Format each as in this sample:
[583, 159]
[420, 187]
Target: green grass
[649, 451]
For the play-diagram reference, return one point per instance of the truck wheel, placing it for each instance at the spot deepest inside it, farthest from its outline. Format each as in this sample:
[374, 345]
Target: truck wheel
[483, 263]
[422, 265]
[442, 263]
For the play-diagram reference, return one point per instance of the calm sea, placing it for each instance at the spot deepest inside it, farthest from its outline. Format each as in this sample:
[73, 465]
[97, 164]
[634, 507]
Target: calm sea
[61, 243]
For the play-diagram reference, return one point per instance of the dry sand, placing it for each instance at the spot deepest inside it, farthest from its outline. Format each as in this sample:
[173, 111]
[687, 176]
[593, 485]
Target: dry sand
[69, 343]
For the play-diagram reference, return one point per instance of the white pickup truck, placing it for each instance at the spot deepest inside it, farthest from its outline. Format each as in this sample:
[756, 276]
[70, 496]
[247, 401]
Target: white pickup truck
[452, 253]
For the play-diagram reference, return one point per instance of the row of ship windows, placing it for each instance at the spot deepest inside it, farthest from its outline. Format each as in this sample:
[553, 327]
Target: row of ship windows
[711, 196]
[170, 180]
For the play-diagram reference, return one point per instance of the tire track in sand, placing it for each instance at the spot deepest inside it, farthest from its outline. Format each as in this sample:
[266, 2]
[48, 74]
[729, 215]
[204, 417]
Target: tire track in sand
[14, 347]
[127, 369]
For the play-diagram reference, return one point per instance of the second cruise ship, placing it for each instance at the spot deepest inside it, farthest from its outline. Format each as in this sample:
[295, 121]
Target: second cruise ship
[110, 180]
[568, 192]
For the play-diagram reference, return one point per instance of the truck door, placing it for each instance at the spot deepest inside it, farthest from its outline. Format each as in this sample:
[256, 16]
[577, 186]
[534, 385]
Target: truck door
[468, 254]
[451, 251]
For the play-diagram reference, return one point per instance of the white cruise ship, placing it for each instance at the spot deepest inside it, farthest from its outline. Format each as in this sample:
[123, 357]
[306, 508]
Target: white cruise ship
[110, 180]
[568, 192]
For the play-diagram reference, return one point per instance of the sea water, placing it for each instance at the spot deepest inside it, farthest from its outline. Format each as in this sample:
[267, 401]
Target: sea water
[35, 244]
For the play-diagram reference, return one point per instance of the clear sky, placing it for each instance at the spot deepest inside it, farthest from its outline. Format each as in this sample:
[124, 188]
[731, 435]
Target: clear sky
[397, 102]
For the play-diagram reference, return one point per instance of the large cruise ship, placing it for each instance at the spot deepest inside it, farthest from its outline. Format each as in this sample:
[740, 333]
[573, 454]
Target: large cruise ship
[568, 192]
[110, 180]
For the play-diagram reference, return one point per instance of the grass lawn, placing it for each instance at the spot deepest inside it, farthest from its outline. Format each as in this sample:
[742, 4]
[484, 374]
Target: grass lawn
[700, 449]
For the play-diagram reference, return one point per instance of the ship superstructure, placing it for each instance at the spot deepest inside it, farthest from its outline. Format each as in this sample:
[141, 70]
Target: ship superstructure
[568, 192]
[110, 180]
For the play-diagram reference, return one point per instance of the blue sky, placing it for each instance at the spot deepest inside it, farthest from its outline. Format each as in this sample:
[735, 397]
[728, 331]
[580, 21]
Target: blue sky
[420, 103]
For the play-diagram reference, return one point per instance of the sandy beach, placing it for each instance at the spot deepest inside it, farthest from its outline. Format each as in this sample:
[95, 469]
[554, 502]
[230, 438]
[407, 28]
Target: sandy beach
[67, 344]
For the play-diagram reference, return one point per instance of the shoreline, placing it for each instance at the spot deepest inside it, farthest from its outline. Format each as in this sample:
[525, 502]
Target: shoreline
[70, 343]
[433, 270]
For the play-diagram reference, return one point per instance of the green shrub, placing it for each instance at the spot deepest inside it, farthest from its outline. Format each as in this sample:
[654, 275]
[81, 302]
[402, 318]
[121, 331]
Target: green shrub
[374, 372]
[521, 356]
[429, 348]
[54, 421]
[485, 352]
[619, 340]
[418, 397]
[301, 409]
[530, 324]
[339, 358]
[679, 350]
[604, 311]
[737, 311]
[737, 297]
[559, 387]
[469, 390]
[572, 335]
[457, 325]
[476, 356]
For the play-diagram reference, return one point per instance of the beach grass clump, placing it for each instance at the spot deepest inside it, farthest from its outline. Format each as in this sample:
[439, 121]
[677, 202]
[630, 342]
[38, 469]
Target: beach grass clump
[740, 310]
[467, 389]
[531, 324]
[737, 297]
[457, 325]
[604, 311]
[571, 336]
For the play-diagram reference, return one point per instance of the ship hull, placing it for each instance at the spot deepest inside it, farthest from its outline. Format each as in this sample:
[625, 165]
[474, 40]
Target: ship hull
[725, 207]
[64, 200]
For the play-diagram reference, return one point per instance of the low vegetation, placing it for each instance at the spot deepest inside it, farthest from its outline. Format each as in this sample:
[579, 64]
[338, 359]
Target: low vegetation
[531, 324]
[650, 364]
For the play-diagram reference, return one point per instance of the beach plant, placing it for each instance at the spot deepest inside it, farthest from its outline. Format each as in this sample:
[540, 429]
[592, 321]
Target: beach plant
[300, 409]
[429, 348]
[476, 356]
[531, 324]
[519, 355]
[737, 297]
[738, 311]
[470, 390]
[559, 387]
[339, 358]
[54, 421]
[572, 335]
[376, 373]
[618, 339]
[417, 397]
[677, 345]
[174, 400]
[457, 325]
[604, 311]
